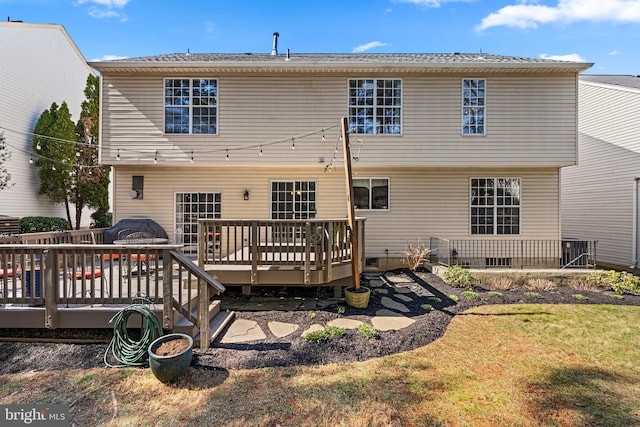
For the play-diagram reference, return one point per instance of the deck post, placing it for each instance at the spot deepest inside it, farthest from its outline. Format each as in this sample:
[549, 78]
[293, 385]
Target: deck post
[353, 240]
[254, 252]
[203, 314]
[51, 283]
[167, 290]
[328, 262]
[307, 254]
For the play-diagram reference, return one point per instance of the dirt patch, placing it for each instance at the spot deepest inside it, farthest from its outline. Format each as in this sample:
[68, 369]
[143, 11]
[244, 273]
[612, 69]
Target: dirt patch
[426, 296]
[172, 347]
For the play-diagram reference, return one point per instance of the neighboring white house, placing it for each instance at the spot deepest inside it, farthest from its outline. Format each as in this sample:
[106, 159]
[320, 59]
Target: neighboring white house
[600, 193]
[39, 65]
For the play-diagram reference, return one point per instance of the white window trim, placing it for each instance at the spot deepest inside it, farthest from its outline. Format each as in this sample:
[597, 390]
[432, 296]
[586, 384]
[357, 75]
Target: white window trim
[164, 117]
[175, 214]
[495, 211]
[484, 133]
[370, 199]
[375, 106]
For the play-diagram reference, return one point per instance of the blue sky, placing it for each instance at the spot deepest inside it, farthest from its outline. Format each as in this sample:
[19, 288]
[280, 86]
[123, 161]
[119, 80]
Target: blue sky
[606, 32]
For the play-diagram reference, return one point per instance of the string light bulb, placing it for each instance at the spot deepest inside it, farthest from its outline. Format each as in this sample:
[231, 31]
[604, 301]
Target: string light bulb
[227, 156]
[118, 155]
[53, 167]
[293, 144]
[38, 146]
[323, 138]
[260, 150]
[30, 159]
[191, 161]
[155, 159]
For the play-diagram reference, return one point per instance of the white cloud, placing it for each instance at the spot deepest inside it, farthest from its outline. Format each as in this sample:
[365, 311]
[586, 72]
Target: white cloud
[429, 3]
[105, 8]
[368, 46]
[525, 15]
[210, 27]
[573, 57]
[107, 3]
[108, 58]
[615, 52]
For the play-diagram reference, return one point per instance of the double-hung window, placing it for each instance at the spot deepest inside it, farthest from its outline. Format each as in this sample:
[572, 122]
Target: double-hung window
[371, 193]
[375, 106]
[191, 106]
[495, 206]
[473, 107]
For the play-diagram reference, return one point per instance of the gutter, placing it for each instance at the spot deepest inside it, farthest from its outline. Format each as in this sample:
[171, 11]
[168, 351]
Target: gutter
[634, 226]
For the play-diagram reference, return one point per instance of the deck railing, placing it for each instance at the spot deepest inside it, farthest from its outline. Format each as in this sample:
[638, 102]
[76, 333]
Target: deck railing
[56, 275]
[311, 244]
[520, 254]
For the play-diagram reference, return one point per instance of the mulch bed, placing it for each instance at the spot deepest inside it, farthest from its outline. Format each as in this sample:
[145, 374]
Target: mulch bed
[294, 350]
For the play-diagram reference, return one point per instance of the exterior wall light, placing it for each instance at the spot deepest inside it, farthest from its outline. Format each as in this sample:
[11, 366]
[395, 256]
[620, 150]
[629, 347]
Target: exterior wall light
[245, 195]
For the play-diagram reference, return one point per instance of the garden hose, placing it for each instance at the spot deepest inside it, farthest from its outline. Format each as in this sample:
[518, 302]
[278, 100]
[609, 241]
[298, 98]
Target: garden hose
[124, 349]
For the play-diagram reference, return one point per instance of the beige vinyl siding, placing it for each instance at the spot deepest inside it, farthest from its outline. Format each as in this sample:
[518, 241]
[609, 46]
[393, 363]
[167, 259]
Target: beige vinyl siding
[424, 202]
[40, 65]
[531, 122]
[597, 194]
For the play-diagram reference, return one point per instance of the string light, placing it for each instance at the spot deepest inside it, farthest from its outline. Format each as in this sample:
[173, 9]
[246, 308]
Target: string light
[38, 146]
[323, 138]
[155, 159]
[260, 150]
[227, 156]
[53, 167]
[191, 161]
[30, 160]
[118, 155]
[293, 144]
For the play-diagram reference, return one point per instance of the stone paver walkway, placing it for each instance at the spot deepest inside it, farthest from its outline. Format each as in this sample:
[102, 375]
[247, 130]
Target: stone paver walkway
[396, 292]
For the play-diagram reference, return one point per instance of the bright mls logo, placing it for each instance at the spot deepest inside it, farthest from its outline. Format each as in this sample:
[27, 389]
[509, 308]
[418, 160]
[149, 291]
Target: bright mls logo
[34, 415]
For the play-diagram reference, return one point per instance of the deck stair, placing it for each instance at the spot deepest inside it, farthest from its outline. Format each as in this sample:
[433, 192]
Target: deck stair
[216, 326]
[184, 325]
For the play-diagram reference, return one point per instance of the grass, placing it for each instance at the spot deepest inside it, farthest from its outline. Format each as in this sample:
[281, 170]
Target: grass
[520, 365]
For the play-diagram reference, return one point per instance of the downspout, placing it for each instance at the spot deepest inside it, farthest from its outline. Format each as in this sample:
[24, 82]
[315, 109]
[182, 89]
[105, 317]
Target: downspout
[634, 226]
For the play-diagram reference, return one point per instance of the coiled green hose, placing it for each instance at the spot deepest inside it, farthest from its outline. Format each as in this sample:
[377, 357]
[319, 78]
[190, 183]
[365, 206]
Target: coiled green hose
[124, 349]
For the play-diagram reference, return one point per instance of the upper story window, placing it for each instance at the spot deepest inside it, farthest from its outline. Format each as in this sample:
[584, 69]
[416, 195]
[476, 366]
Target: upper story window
[371, 193]
[375, 106]
[191, 106]
[495, 206]
[473, 106]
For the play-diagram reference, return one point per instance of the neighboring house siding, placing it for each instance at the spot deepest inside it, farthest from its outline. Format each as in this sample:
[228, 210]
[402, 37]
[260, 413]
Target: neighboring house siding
[424, 202]
[597, 195]
[530, 121]
[40, 65]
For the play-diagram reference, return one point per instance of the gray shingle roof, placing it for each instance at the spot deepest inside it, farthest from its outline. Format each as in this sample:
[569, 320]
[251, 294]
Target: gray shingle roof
[346, 58]
[617, 80]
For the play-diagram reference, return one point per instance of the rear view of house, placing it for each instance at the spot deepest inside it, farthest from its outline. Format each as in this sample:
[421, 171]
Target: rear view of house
[458, 146]
[40, 65]
[600, 194]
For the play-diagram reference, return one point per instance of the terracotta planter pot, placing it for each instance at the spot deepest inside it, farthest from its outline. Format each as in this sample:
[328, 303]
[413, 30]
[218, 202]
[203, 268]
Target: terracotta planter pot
[171, 366]
[358, 298]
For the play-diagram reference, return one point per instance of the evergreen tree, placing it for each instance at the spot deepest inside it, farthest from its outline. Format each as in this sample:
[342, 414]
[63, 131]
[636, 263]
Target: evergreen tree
[5, 155]
[68, 156]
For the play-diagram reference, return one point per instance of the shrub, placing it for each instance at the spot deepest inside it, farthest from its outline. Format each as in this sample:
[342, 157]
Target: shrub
[368, 331]
[470, 295]
[533, 295]
[101, 219]
[415, 254]
[541, 285]
[458, 276]
[580, 297]
[435, 299]
[341, 309]
[500, 283]
[620, 282]
[494, 294]
[582, 285]
[317, 336]
[38, 224]
[454, 297]
[335, 331]
[427, 307]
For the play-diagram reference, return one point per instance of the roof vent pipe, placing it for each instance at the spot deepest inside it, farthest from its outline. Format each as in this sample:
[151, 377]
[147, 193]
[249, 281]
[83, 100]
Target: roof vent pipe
[288, 58]
[274, 51]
